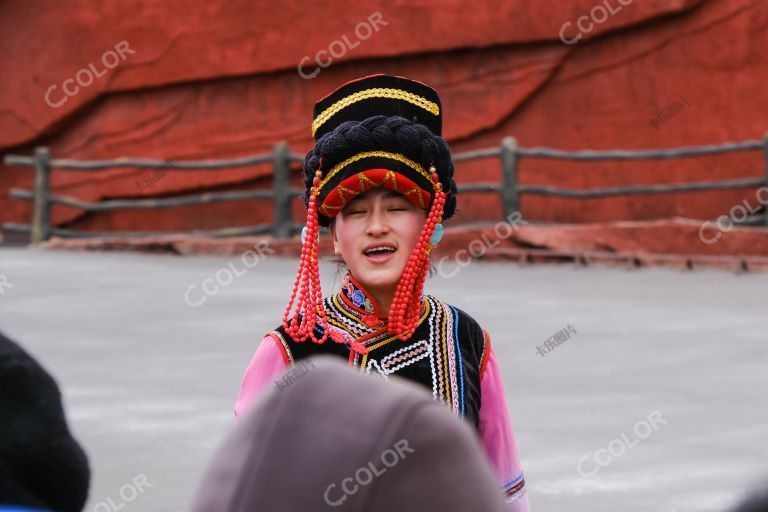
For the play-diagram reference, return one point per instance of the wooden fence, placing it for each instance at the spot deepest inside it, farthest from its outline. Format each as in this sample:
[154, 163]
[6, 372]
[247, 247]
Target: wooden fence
[282, 193]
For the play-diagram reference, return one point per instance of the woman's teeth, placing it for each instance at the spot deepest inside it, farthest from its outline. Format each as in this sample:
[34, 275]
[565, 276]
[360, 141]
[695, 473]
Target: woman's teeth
[379, 250]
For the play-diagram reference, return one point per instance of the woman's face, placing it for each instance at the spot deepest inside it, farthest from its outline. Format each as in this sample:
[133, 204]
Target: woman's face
[375, 233]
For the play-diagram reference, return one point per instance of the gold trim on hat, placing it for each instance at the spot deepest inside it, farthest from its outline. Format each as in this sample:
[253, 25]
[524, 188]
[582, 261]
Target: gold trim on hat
[370, 154]
[378, 92]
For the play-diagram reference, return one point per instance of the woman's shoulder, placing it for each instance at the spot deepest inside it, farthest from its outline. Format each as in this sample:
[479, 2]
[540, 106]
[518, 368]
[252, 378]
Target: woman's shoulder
[463, 317]
[472, 338]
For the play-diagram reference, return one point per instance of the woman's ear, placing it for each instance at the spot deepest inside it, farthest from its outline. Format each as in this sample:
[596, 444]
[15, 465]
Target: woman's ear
[332, 229]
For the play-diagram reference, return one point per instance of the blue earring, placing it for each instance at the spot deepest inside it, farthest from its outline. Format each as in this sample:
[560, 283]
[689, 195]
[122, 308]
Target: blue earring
[303, 235]
[437, 235]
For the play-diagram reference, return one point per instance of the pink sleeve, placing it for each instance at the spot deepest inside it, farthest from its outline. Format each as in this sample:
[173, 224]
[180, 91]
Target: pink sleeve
[497, 437]
[266, 365]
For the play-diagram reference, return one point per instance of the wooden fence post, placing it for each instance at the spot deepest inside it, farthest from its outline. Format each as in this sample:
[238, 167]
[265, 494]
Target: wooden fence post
[41, 217]
[281, 181]
[509, 196]
[765, 191]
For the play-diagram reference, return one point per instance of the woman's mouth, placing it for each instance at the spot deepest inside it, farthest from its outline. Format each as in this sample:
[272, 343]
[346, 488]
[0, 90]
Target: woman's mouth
[379, 253]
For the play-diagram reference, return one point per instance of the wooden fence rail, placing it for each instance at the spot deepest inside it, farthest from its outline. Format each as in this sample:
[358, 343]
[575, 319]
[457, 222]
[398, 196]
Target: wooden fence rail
[283, 194]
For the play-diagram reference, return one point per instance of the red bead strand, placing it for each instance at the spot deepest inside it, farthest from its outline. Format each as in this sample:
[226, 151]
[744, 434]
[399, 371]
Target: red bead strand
[309, 302]
[406, 304]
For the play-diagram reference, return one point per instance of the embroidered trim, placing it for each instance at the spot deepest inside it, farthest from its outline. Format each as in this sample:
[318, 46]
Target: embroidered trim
[363, 181]
[453, 343]
[514, 489]
[398, 357]
[378, 92]
[450, 355]
[346, 315]
[404, 357]
[443, 392]
[357, 296]
[283, 345]
[432, 337]
[486, 352]
[439, 349]
[370, 154]
[375, 343]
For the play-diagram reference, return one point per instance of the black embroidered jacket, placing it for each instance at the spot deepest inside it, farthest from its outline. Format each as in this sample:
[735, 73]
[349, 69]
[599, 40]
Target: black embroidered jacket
[446, 354]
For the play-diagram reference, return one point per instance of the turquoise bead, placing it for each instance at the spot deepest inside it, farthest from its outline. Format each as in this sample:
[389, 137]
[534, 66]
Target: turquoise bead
[437, 235]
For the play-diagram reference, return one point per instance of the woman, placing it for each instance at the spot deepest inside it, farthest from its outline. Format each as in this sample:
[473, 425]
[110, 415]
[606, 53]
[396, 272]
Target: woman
[380, 177]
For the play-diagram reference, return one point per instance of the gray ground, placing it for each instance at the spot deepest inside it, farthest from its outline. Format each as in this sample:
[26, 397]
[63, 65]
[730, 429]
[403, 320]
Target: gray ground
[149, 381]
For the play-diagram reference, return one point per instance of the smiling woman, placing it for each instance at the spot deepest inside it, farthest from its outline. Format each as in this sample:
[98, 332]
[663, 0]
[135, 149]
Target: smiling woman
[374, 234]
[381, 178]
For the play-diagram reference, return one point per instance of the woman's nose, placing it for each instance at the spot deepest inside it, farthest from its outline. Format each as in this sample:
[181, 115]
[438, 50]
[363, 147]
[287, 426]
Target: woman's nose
[377, 223]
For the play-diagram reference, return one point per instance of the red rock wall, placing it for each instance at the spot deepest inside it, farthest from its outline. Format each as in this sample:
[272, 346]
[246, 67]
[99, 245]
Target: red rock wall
[217, 79]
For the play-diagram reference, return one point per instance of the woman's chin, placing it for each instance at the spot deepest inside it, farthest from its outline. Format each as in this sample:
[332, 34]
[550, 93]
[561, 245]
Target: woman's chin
[381, 279]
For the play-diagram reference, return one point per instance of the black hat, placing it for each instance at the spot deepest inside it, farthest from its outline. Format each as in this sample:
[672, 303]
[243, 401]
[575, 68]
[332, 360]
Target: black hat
[378, 95]
[379, 130]
[41, 465]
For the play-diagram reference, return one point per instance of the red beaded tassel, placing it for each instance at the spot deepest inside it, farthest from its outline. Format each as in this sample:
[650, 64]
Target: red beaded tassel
[310, 300]
[406, 304]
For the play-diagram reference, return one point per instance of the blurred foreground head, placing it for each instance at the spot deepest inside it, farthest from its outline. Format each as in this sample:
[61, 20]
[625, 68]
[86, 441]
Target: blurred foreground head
[41, 465]
[757, 501]
[328, 438]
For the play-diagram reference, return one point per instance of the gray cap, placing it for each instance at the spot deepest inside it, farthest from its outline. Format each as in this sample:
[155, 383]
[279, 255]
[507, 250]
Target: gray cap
[327, 438]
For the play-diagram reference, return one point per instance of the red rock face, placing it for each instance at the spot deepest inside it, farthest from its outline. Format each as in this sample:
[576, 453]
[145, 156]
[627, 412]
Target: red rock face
[223, 79]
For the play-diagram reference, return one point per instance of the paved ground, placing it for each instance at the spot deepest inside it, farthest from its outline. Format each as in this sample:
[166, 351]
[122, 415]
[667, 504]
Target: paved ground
[149, 380]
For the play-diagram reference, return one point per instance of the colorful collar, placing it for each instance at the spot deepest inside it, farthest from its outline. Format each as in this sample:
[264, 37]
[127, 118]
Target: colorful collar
[359, 297]
[363, 305]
